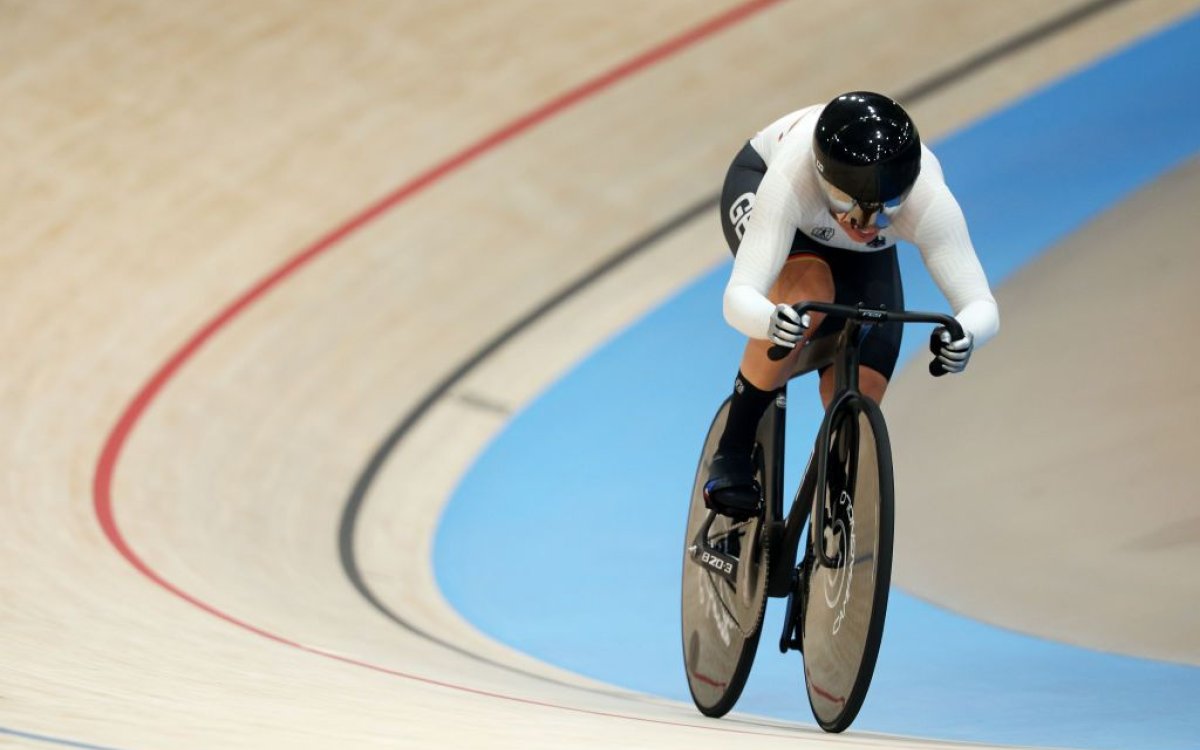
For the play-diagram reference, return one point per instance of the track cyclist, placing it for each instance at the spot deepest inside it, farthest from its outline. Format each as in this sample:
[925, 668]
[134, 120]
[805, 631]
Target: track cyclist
[812, 207]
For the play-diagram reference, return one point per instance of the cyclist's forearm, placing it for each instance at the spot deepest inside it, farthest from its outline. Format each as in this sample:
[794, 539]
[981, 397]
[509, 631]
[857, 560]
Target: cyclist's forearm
[748, 310]
[981, 318]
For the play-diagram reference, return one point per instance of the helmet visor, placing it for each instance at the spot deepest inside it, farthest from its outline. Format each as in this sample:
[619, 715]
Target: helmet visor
[846, 208]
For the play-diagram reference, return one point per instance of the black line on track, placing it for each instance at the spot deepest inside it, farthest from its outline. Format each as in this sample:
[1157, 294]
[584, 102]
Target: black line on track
[367, 477]
[484, 403]
[1004, 49]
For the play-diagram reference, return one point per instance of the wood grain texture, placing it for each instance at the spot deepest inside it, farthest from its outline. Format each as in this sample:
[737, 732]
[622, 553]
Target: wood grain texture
[161, 159]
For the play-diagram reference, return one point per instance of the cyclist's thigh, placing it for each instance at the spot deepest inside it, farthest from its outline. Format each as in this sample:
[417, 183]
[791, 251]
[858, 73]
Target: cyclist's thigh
[872, 279]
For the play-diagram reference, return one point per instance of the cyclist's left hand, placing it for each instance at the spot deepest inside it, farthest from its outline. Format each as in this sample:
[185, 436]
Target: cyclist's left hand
[951, 355]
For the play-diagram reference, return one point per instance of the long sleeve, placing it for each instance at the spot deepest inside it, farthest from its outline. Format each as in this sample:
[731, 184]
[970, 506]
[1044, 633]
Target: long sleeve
[940, 232]
[761, 255]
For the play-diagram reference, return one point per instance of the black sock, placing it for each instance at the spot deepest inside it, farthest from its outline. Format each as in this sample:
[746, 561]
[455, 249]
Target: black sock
[745, 410]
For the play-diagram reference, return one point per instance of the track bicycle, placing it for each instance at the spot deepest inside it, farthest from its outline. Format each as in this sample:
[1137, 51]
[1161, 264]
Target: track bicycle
[837, 589]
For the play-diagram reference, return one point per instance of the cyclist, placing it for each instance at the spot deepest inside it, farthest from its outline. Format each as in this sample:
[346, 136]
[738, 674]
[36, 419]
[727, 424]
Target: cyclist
[812, 207]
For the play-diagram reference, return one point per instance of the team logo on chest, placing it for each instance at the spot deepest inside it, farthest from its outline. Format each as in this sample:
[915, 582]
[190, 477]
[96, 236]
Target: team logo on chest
[825, 234]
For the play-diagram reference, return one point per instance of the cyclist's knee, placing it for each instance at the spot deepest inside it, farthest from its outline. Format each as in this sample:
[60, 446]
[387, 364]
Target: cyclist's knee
[872, 383]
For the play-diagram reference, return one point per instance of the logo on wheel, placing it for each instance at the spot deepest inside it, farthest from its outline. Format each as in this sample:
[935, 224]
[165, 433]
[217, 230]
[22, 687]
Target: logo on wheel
[839, 545]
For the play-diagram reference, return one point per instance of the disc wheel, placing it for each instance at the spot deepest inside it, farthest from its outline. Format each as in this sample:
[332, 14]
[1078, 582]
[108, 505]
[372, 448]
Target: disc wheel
[845, 603]
[721, 618]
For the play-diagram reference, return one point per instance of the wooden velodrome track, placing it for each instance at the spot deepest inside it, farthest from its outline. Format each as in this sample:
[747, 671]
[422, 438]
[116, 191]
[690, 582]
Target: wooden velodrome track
[243, 239]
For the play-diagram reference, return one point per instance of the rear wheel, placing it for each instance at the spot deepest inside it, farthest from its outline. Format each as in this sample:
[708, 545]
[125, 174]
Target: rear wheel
[724, 594]
[845, 603]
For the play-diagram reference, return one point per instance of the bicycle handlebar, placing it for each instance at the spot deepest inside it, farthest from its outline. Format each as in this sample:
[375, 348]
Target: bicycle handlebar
[870, 315]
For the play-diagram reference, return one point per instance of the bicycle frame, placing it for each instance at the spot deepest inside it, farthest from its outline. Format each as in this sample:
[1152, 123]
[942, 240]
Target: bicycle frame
[845, 359]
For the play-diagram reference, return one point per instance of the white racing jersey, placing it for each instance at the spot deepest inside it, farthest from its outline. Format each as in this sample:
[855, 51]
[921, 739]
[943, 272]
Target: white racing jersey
[790, 199]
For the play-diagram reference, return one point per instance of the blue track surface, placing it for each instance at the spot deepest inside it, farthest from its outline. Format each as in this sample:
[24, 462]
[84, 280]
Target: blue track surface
[586, 490]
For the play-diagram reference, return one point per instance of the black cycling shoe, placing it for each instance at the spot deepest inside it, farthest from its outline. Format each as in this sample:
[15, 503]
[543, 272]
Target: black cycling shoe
[731, 489]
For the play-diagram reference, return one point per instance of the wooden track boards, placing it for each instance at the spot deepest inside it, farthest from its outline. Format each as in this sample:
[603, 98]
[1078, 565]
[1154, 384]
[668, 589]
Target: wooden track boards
[162, 159]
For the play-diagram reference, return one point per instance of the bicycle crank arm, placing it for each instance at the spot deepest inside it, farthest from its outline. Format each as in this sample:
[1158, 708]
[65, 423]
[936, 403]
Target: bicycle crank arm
[712, 560]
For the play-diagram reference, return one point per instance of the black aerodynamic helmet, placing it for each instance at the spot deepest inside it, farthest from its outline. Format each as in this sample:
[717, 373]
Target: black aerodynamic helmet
[867, 146]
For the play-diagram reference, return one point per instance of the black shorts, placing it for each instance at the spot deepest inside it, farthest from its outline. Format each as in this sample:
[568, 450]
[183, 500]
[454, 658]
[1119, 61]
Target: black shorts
[871, 278]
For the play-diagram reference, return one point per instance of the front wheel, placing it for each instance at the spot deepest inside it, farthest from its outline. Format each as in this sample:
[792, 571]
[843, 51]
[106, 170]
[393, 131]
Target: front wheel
[845, 602]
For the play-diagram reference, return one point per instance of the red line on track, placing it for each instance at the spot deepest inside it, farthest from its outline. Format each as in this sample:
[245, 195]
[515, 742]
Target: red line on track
[111, 453]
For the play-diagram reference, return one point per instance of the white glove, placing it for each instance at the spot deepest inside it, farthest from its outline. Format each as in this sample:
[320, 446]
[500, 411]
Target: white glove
[951, 355]
[787, 326]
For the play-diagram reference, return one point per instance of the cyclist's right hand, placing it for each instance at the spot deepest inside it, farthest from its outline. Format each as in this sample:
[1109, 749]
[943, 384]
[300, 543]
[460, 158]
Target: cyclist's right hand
[788, 326]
